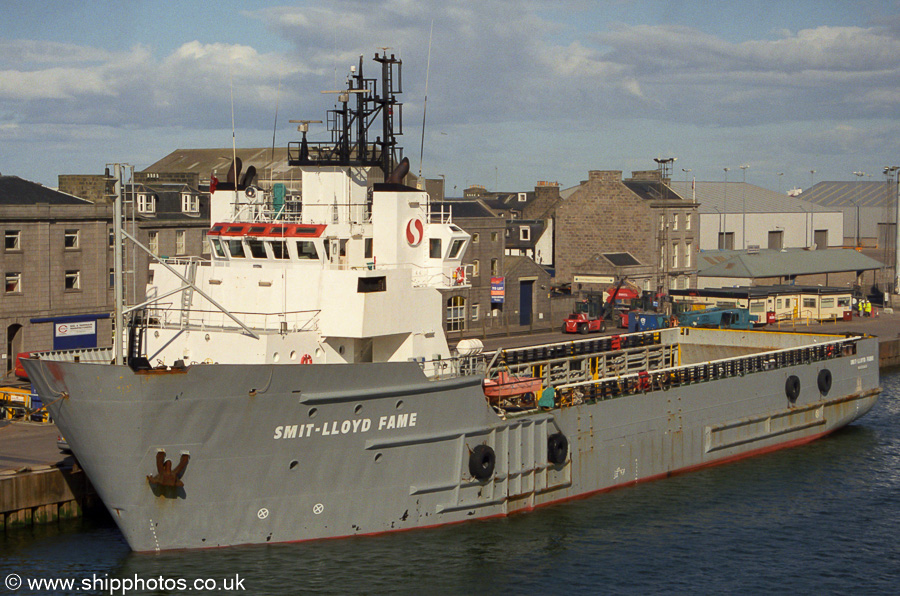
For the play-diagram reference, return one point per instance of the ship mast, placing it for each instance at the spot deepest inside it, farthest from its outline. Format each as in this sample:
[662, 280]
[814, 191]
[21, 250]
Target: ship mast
[350, 126]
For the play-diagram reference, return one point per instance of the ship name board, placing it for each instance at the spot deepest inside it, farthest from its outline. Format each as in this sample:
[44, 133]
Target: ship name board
[345, 427]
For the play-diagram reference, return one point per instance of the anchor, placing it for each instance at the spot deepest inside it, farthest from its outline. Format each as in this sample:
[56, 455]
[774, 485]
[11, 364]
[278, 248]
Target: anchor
[165, 475]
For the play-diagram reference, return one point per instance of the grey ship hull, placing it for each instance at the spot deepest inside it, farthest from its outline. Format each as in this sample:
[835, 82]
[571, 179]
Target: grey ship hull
[295, 452]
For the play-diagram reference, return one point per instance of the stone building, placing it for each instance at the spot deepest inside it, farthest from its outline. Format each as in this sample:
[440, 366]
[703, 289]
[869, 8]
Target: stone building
[607, 228]
[520, 299]
[168, 212]
[57, 260]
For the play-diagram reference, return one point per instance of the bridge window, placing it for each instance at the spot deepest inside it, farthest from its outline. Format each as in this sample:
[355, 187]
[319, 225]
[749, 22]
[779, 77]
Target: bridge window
[434, 248]
[455, 248]
[279, 249]
[306, 249]
[257, 249]
[217, 248]
[236, 248]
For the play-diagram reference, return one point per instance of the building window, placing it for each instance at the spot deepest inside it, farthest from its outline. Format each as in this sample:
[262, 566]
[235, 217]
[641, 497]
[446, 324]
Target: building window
[675, 219]
[153, 242]
[523, 197]
[662, 255]
[73, 280]
[476, 267]
[71, 239]
[524, 233]
[675, 255]
[809, 303]
[12, 240]
[146, 203]
[726, 240]
[112, 277]
[689, 255]
[456, 313]
[112, 238]
[13, 282]
[190, 203]
[687, 221]
[494, 236]
[368, 248]
[495, 267]
[475, 312]
[662, 222]
[475, 237]
[180, 242]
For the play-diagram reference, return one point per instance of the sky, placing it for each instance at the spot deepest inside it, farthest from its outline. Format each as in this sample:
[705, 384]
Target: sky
[517, 91]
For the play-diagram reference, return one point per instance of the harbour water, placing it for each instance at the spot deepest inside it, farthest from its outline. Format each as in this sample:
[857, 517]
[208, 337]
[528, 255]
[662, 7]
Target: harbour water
[822, 518]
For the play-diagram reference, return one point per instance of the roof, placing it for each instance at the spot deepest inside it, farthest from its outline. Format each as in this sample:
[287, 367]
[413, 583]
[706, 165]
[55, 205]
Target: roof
[463, 208]
[739, 197]
[512, 263]
[653, 190]
[16, 191]
[759, 291]
[848, 194]
[775, 263]
[205, 161]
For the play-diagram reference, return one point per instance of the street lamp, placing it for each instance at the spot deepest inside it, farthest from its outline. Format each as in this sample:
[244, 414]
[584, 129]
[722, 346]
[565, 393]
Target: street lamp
[858, 176]
[891, 172]
[744, 206]
[725, 205]
[693, 190]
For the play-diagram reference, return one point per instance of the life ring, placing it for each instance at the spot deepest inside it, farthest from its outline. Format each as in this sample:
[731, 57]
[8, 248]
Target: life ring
[306, 359]
[481, 462]
[557, 448]
[824, 381]
[829, 350]
[792, 388]
[459, 274]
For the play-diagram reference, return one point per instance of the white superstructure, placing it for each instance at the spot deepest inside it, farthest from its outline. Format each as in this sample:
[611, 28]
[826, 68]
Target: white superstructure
[342, 274]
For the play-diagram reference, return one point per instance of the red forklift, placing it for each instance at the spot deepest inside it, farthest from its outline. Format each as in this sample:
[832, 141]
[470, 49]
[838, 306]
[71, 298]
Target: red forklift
[591, 313]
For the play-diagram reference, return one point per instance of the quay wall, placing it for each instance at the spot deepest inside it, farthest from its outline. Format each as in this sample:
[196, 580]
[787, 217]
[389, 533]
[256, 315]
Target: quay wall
[43, 494]
[889, 353]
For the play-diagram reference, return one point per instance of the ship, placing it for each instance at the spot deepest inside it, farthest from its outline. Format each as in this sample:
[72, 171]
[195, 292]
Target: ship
[298, 384]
